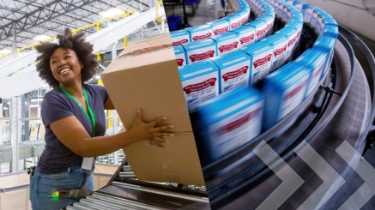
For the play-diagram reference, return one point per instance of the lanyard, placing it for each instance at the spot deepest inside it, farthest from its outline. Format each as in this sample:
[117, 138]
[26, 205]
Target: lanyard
[90, 115]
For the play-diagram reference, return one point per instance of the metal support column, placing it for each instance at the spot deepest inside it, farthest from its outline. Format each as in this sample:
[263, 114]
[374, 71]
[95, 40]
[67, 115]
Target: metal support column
[16, 132]
[14, 38]
[25, 108]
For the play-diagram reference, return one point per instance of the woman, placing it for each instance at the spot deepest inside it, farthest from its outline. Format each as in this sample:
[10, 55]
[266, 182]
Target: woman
[73, 115]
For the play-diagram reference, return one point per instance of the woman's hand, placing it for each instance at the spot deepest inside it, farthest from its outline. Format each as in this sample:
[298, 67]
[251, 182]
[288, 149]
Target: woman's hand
[149, 130]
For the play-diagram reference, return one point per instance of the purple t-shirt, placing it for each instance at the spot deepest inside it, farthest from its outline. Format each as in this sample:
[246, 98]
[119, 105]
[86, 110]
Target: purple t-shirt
[56, 157]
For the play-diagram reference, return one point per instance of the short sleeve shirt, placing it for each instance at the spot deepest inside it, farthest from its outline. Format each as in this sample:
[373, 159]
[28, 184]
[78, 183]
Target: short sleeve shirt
[56, 105]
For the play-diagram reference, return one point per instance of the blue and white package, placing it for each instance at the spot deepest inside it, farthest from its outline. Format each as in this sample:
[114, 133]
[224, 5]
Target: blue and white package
[234, 70]
[299, 5]
[284, 91]
[246, 35]
[298, 27]
[289, 2]
[180, 37]
[331, 30]
[291, 34]
[200, 50]
[280, 45]
[307, 14]
[234, 21]
[285, 13]
[200, 32]
[260, 28]
[179, 51]
[244, 16]
[200, 81]
[231, 120]
[270, 12]
[269, 22]
[261, 60]
[219, 26]
[314, 61]
[314, 19]
[327, 44]
[226, 43]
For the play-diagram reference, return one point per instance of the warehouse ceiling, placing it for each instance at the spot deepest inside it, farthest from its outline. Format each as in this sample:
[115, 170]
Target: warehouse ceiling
[28, 18]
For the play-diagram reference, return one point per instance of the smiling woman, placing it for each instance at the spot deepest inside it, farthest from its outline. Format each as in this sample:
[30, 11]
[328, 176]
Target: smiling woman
[73, 115]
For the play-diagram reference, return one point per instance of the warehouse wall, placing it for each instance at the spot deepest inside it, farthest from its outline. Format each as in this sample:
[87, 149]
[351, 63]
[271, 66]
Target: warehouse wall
[357, 15]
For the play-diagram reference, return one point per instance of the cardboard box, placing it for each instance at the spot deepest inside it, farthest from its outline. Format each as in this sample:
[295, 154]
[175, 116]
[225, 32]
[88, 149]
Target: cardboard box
[149, 79]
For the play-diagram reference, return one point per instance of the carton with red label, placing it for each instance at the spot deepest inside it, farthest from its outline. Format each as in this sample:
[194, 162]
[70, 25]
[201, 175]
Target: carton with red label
[260, 26]
[261, 60]
[200, 32]
[226, 43]
[234, 70]
[269, 22]
[314, 60]
[230, 121]
[180, 37]
[200, 81]
[284, 91]
[292, 35]
[244, 16]
[200, 50]
[326, 43]
[179, 51]
[246, 35]
[234, 21]
[280, 46]
[219, 26]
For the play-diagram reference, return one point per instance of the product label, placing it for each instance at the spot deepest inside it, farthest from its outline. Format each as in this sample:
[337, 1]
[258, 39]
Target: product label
[235, 25]
[293, 96]
[235, 76]
[247, 40]
[227, 46]
[201, 36]
[221, 30]
[201, 54]
[180, 59]
[199, 89]
[179, 40]
[234, 131]
[279, 55]
[261, 33]
[261, 66]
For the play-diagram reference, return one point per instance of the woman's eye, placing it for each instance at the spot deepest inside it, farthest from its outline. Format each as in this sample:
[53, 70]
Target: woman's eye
[53, 62]
[66, 57]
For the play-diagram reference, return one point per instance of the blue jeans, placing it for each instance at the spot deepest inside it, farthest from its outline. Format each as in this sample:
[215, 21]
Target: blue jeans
[43, 185]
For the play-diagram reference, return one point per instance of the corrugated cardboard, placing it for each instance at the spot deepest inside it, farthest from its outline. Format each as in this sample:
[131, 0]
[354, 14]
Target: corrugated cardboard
[149, 79]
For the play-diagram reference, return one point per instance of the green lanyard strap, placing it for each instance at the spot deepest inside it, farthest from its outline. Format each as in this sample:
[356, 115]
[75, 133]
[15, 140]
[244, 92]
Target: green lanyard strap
[90, 115]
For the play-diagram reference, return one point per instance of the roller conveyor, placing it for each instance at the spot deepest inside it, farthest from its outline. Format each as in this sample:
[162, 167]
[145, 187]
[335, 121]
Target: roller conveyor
[124, 191]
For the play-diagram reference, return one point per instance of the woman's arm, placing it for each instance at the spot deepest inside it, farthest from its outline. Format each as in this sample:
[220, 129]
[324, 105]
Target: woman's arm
[74, 136]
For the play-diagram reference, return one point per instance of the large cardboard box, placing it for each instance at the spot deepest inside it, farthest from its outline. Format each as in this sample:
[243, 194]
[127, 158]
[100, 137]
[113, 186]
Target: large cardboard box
[146, 76]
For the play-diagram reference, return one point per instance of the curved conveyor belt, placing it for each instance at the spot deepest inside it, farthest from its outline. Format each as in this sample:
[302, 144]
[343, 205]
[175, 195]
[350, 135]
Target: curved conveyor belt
[346, 116]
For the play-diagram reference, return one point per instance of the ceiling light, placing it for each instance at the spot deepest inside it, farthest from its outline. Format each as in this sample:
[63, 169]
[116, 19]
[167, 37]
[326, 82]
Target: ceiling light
[97, 77]
[111, 12]
[41, 37]
[5, 51]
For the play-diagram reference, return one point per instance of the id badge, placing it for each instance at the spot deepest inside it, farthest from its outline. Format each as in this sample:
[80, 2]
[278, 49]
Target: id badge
[88, 164]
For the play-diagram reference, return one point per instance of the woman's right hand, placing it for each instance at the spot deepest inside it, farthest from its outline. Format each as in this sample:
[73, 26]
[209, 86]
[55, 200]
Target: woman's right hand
[149, 130]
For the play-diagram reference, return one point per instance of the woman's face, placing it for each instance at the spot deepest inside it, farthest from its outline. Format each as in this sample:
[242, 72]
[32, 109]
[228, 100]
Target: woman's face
[65, 65]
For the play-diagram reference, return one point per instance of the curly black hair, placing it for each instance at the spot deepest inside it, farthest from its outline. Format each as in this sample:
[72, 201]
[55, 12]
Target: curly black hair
[67, 41]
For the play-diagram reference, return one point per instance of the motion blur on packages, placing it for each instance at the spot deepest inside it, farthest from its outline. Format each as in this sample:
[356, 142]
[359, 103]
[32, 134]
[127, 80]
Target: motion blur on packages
[137, 67]
[275, 89]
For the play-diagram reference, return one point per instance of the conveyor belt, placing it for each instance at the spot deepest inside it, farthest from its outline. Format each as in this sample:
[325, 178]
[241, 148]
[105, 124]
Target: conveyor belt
[124, 191]
[346, 117]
